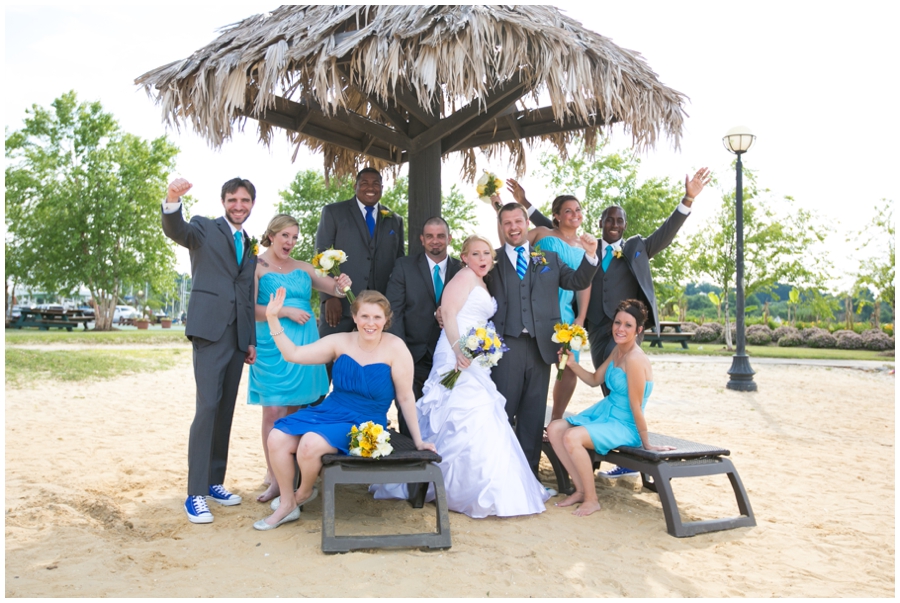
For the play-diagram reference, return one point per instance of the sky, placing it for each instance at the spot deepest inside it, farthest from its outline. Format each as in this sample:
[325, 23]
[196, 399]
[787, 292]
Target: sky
[815, 82]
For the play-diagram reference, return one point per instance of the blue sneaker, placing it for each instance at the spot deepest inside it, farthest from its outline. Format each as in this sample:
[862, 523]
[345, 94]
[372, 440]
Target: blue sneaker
[196, 509]
[222, 496]
[618, 472]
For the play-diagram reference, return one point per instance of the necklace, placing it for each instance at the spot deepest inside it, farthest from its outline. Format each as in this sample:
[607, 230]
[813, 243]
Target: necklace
[272, 261]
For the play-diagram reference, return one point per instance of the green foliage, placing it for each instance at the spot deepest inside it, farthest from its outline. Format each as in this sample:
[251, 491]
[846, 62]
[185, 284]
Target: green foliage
[460, 215]
[612, 179]
[878, 272]
[25, 367]
[83, 202]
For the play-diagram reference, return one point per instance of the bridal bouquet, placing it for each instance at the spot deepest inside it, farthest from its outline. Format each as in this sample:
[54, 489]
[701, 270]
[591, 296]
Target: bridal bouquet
[488, 185]
[329, 262]
[481, 344]
[573, 338]
[369, 440]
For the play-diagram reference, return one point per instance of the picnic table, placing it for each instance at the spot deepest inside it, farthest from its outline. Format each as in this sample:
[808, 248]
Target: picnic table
[656, 338]
[44, 319]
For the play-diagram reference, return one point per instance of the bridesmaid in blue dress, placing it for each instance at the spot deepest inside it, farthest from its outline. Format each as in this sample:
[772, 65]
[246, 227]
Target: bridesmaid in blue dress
[281, 387]
[371, 369]
[618, 419]
[563, 240]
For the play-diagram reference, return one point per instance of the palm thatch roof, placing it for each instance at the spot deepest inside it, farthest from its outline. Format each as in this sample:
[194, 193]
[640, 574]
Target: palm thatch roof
[379, 84]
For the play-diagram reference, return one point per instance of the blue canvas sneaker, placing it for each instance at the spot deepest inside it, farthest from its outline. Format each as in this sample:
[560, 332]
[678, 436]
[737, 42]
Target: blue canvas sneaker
[222, 496]
[618, 472]
[196, 509]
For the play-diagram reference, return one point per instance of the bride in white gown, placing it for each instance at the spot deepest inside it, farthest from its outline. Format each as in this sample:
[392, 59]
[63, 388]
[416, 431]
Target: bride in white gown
[485, 471]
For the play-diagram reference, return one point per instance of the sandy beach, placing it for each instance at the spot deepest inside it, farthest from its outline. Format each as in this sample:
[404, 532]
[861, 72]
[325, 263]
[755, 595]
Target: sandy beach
[96, 474]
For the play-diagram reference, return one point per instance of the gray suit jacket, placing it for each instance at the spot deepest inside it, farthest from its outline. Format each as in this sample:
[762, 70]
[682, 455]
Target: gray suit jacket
[411, 293]
[607, 291]
[370, 260]
[221, 291]
[544, 295]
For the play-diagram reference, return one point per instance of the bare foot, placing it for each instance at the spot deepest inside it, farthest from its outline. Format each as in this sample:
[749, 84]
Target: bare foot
[586, 509]
[574, 498]
[271, 492]
[268, 480]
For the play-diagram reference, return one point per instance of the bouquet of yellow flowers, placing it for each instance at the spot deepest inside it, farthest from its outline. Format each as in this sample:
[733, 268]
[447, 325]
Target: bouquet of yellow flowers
[573, 338]
[329, 262]
[481, 344]
[488, 185]
[369, 440]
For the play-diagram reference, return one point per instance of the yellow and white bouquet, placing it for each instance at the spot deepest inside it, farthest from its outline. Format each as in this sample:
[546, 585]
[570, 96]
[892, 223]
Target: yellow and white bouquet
[573, 339]
[481, 344]
[329, 262]
[370, 440]
[488, 185]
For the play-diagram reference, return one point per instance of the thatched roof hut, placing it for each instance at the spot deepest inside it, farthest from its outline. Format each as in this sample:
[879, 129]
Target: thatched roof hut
[382, 85]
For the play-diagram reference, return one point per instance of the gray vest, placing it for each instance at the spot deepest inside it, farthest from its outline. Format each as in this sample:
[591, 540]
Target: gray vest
[519, 314]
[617, 283]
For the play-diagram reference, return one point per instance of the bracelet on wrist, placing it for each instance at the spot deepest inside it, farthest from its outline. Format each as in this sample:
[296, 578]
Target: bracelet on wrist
[278, 333]
[686, 198]
[338, 292]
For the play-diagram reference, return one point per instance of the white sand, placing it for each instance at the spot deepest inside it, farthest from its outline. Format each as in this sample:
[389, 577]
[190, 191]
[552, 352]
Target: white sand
[96, 474]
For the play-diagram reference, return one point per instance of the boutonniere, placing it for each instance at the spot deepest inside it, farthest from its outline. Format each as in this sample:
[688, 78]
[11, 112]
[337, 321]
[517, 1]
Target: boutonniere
[617, 253]
[254, 246]
[538, 259]
[386, 213]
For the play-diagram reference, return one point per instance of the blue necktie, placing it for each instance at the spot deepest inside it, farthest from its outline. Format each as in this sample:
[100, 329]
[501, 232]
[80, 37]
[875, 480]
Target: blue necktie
[607, 259]
[438, 284]
[521, 264]
[370, 219]
[238, 246]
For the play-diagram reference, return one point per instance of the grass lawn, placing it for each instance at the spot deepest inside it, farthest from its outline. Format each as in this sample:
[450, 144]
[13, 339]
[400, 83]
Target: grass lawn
[157, 335]
[24, 367]
[770, 351]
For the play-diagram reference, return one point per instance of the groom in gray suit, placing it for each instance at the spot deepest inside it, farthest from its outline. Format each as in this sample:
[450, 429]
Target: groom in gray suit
[372, 237]
[222, 331]
[414, 291]
[525, 284]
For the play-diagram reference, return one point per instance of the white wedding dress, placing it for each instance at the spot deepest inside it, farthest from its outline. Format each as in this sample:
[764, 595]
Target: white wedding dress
[485, 471]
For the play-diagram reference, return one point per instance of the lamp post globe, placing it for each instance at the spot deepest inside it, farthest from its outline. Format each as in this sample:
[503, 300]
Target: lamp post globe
[738, 140]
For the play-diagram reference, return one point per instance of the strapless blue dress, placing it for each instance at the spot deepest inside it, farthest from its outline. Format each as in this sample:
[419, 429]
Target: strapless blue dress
[610, 422]
[360, 394]
[273, 380]
[572, 256]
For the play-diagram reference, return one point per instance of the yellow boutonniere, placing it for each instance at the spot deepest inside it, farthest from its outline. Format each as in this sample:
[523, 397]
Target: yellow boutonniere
[538, 260]
[386, 213]
[617, 253]
[254, 246]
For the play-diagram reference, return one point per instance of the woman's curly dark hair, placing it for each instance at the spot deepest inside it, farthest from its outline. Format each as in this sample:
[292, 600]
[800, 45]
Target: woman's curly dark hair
[636, 308]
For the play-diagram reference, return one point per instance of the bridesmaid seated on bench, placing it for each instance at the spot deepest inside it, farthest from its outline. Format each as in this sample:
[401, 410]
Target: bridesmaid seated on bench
[618, 419]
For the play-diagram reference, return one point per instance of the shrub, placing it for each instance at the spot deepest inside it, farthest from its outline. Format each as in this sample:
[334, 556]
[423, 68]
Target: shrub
[849, 341]
[760, 337]
[840, 332]
[705, 333]
[716, 326]
[785, 330]
[809, 332]
[878, 342]
[790, 339]
[888, 329]
[689, 327]
[822, 339]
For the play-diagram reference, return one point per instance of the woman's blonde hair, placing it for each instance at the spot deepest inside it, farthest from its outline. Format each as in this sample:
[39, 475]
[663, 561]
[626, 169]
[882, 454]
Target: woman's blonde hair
[276, 225]
[464, 250]
[373, 297]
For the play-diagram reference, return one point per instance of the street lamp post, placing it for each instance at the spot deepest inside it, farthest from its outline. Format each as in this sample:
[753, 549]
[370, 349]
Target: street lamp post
[738, 140]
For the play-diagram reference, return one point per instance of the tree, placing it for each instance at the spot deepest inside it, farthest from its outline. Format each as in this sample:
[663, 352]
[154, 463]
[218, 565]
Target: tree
[777, 246]
[612, 179]
[878, 272]
[83, 202]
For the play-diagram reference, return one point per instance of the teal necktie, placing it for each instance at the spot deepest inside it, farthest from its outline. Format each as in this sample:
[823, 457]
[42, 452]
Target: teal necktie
[607, 259]
[438, 284]
[238, 246]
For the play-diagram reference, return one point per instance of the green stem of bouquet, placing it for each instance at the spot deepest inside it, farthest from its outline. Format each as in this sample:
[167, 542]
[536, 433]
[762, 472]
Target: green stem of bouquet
[450, 378]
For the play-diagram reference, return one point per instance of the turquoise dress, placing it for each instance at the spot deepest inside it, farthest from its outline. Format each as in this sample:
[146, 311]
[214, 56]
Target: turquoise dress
[360, 394]
[572, 256]
[610, 422]
[273, 380]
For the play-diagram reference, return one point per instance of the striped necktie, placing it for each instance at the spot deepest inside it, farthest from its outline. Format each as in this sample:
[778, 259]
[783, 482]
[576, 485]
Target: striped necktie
[238, 246]
[521, 264]
[607, 259]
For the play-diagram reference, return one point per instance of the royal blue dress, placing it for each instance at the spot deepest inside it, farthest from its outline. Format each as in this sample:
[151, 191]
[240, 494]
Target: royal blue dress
[273, 380]
[360, 394]
[610, 422]
[572, 256]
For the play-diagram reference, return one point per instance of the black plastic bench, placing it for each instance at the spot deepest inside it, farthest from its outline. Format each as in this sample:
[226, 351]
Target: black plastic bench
[689, 459]
[405, 465]
[657, 339]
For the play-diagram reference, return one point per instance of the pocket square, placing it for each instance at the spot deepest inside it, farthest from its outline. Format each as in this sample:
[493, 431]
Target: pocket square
[636, 254]
[392, 232]
[546, 269]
